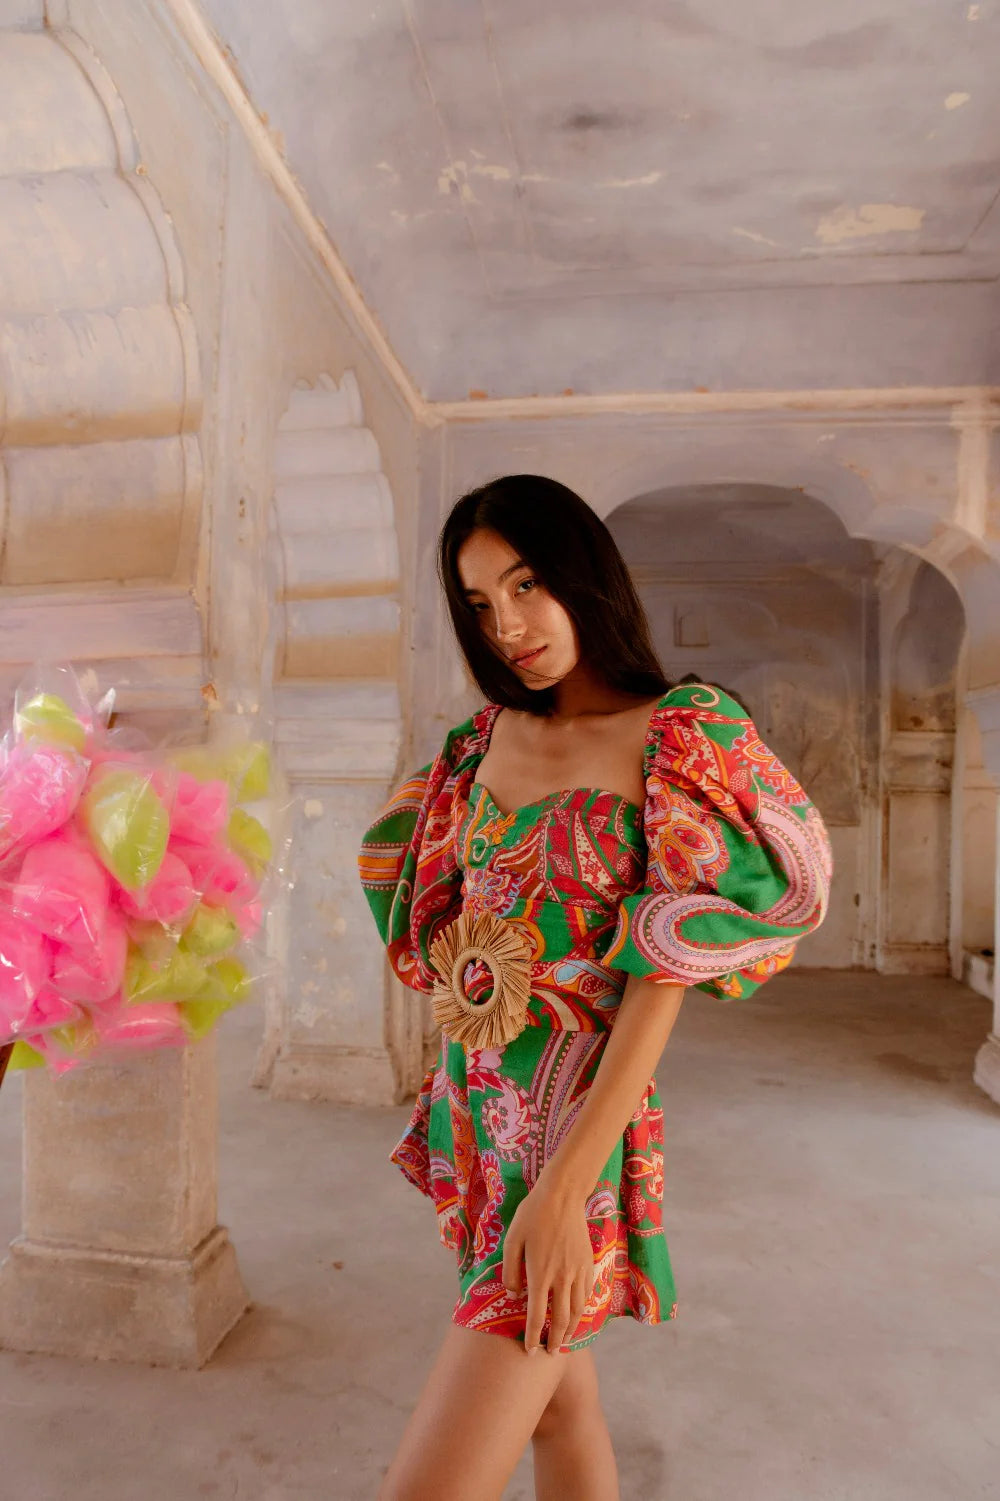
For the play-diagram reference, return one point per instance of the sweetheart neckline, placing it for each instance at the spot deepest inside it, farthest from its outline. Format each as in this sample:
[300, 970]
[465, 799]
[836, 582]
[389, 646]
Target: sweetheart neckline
[559, 792]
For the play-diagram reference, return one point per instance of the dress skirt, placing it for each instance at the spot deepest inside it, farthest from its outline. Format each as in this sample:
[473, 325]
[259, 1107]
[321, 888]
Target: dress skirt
[484, 1124]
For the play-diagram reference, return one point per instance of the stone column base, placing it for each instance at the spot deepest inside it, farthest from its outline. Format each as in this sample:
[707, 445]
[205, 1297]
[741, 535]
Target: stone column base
[109, 1305]
[913, 959]
[343, 1075]
[987, 1070]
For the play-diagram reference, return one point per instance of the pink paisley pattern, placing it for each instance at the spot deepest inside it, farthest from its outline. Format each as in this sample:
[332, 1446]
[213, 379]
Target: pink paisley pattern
[510, 1119]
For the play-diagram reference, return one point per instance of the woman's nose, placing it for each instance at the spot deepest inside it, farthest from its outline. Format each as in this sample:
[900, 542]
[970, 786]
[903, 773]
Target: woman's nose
[508, 623]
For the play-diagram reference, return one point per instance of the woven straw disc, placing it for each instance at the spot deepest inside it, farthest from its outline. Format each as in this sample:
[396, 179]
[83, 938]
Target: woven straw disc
[507, 953]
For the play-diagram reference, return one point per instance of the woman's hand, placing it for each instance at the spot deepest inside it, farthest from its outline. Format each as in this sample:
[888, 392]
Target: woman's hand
[549, 1230]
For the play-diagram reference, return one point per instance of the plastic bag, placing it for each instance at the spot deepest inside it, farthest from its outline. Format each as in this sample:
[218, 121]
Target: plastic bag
[131, 881]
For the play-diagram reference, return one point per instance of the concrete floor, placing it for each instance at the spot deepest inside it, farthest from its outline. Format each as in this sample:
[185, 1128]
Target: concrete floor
[833, 1210]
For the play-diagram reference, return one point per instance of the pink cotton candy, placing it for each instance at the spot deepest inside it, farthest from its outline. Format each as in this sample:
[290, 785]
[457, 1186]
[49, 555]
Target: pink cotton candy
[24, 969]
[222, 878]
[40, 786]
[92, 972]
[58, 1058]
[141, 1025]
[48, 1010]
[63, 892]
[200, 811]
[169, 899]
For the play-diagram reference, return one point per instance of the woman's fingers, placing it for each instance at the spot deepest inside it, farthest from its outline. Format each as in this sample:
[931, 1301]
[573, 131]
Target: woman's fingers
[581, 1297]
[538, 1298]
[513, 1250]
[559, 1325]
[562, 1323]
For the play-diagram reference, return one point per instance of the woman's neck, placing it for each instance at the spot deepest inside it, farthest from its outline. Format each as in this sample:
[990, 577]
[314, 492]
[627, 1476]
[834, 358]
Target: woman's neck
[581, 692]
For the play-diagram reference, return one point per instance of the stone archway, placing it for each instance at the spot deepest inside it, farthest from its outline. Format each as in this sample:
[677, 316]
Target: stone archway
[100, 392]
[917, 822]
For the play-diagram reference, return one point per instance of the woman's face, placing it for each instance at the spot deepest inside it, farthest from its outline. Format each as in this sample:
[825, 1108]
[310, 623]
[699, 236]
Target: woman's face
[516, 613]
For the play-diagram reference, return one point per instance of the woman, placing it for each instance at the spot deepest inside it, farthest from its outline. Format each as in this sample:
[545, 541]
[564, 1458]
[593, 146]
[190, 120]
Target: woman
[580, 850]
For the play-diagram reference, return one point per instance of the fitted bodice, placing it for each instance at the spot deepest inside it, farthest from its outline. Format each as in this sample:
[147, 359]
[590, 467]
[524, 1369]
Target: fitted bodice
[580, 846]
[558, 867]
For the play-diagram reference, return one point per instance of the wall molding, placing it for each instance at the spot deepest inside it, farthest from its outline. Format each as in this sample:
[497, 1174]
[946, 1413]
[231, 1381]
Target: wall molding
[875, 405]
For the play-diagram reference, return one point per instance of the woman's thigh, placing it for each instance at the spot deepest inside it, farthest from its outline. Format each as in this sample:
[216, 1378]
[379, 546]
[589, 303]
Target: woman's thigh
[575, 1400]
[477, 1411]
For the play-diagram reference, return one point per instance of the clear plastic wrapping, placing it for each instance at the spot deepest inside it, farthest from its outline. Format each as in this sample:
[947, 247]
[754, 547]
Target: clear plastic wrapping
[132, 881]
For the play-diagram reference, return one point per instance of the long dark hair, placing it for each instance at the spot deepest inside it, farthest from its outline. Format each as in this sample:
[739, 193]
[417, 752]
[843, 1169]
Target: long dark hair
[575, 556]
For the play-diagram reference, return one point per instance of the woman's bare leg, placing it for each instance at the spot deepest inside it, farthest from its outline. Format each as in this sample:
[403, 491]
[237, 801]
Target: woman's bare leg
[573, 1453]
[481, 1403]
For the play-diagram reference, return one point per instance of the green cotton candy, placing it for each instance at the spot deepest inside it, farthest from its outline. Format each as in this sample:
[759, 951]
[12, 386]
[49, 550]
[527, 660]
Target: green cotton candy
[180, 976]
[246, 767]
[251, 772]
[250, 840]
[199, 761]
[49, 718]
[228, 978]
[23, 1056]
[200, 1015]
[226, 985]
[211, 931]
[128, 826]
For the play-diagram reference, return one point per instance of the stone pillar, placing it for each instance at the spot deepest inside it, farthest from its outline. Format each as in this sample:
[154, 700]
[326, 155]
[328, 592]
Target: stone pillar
[335, 1032]
[121, 1257]
[337, 1027]
[986, 704]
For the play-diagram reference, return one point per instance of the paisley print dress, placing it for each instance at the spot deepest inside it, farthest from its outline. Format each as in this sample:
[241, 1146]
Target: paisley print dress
[709, 883]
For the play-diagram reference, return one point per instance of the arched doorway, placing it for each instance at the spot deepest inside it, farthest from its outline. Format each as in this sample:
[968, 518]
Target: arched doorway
[847, 653]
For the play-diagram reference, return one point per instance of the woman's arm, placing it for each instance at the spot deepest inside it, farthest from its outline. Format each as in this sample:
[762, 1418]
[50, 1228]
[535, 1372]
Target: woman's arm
[549, 1228]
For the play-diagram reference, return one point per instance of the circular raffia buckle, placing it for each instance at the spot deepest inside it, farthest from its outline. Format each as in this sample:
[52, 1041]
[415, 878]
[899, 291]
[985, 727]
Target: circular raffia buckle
[507, 952]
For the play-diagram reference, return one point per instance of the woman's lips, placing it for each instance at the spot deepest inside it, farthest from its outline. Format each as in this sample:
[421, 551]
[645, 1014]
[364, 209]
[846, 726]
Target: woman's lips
[528, 657]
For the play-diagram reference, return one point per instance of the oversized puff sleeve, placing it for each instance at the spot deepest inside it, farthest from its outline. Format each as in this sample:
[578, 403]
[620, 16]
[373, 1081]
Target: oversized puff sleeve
[407, 863]
[739, 861]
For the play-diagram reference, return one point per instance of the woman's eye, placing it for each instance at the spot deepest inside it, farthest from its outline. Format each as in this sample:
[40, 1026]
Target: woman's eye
[531, 582]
